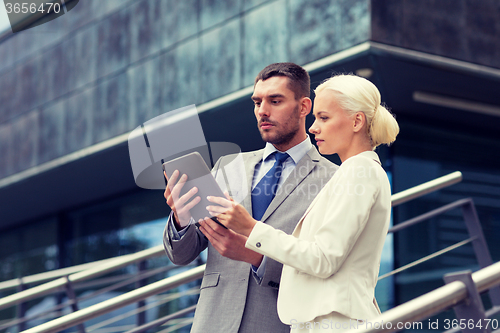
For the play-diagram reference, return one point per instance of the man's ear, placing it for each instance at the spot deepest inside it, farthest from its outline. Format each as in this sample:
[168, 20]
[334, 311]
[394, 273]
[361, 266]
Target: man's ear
[305, 106]
[359, 121]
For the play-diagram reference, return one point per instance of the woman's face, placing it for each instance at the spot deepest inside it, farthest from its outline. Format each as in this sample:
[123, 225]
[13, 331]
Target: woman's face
[332, 127]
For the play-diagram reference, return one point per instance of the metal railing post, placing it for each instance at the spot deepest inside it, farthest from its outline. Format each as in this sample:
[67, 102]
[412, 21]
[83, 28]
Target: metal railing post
[471, 310]
[96, 310]
[479, 244]
[21, 307]
[74, 302]
[141, 316]
[103, 268]
[434, 302]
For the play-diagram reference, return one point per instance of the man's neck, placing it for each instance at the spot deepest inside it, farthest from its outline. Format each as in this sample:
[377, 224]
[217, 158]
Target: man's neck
[292, 143]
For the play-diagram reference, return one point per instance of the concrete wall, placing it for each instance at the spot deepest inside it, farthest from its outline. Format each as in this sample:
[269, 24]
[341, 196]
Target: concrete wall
[467, 30]
[108, 65]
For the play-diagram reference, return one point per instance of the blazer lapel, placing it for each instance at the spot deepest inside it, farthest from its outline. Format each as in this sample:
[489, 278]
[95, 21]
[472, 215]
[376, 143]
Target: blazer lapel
[301, 171]
[252, 160]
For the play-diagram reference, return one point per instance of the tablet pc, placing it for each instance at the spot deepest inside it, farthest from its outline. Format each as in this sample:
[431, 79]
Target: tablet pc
[199, 176]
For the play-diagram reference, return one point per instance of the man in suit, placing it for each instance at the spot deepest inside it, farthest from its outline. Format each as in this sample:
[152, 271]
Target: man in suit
[240, 287]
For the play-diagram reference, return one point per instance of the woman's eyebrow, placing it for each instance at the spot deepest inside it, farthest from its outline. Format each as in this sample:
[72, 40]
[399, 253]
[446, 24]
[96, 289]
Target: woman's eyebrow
[319, 112]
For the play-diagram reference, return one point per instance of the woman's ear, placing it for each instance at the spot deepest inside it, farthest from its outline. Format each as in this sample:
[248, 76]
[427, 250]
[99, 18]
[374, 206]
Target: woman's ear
[359, 121]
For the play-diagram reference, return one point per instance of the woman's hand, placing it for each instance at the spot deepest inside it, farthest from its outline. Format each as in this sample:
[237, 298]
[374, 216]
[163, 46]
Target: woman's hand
[232, 215]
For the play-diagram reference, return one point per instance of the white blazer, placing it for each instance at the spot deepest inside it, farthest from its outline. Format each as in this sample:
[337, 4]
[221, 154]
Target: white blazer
[331, 260]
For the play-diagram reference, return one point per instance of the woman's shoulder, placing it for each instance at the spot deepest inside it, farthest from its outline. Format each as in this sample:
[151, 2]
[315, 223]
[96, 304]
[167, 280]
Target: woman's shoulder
[362, 167]
[368, 158]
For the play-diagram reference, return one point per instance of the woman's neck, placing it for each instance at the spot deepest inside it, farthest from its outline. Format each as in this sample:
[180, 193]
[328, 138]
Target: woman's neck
[357, 146]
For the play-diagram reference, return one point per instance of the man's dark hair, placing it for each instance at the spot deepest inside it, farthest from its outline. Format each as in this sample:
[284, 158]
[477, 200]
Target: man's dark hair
[299, 81]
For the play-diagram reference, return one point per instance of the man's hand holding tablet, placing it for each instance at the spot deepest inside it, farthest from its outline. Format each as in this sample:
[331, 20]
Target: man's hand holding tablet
[187, 195]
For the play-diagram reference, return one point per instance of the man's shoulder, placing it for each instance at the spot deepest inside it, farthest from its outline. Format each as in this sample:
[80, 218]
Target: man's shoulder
[324, 162]
[251, 153]
[238, 161]
[324, 169]
[244, 155]
[321, 161]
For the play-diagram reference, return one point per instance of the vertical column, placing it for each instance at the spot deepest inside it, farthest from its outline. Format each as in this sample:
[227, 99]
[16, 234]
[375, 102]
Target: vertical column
[21, 307]
[469, 313]
[479, 244]
[141, 315]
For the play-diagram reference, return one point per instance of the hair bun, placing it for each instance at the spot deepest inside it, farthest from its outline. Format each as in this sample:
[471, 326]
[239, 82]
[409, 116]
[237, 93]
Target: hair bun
[383, 128]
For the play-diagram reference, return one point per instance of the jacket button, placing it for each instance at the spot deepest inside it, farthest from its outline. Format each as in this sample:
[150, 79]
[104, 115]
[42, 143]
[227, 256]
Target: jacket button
[258, 244]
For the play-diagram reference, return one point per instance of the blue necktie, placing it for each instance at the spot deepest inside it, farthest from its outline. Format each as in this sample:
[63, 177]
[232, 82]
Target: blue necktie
[264, 192]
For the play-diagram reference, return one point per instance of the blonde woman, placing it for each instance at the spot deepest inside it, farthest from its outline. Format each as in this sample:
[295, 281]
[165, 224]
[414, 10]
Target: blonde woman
[331, 260]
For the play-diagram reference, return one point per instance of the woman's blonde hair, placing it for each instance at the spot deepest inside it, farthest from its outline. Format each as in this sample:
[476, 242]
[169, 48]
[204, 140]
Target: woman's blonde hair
[357, 94]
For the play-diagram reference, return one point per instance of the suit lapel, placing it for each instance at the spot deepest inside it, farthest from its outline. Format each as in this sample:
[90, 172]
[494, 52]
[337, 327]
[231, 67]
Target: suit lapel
[299, 173]
[252, 160]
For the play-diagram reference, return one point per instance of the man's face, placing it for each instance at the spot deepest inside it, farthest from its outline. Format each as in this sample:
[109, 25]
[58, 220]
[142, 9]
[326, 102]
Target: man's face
[276, 110]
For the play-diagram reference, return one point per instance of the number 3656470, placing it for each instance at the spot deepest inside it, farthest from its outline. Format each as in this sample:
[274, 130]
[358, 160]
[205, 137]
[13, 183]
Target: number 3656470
[27, 7]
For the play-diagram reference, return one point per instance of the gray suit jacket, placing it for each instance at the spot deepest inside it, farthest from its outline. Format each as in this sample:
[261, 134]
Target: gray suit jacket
[231, 300]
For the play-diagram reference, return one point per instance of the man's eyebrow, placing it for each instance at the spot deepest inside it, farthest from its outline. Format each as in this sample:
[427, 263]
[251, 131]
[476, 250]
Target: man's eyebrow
[277, 95]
